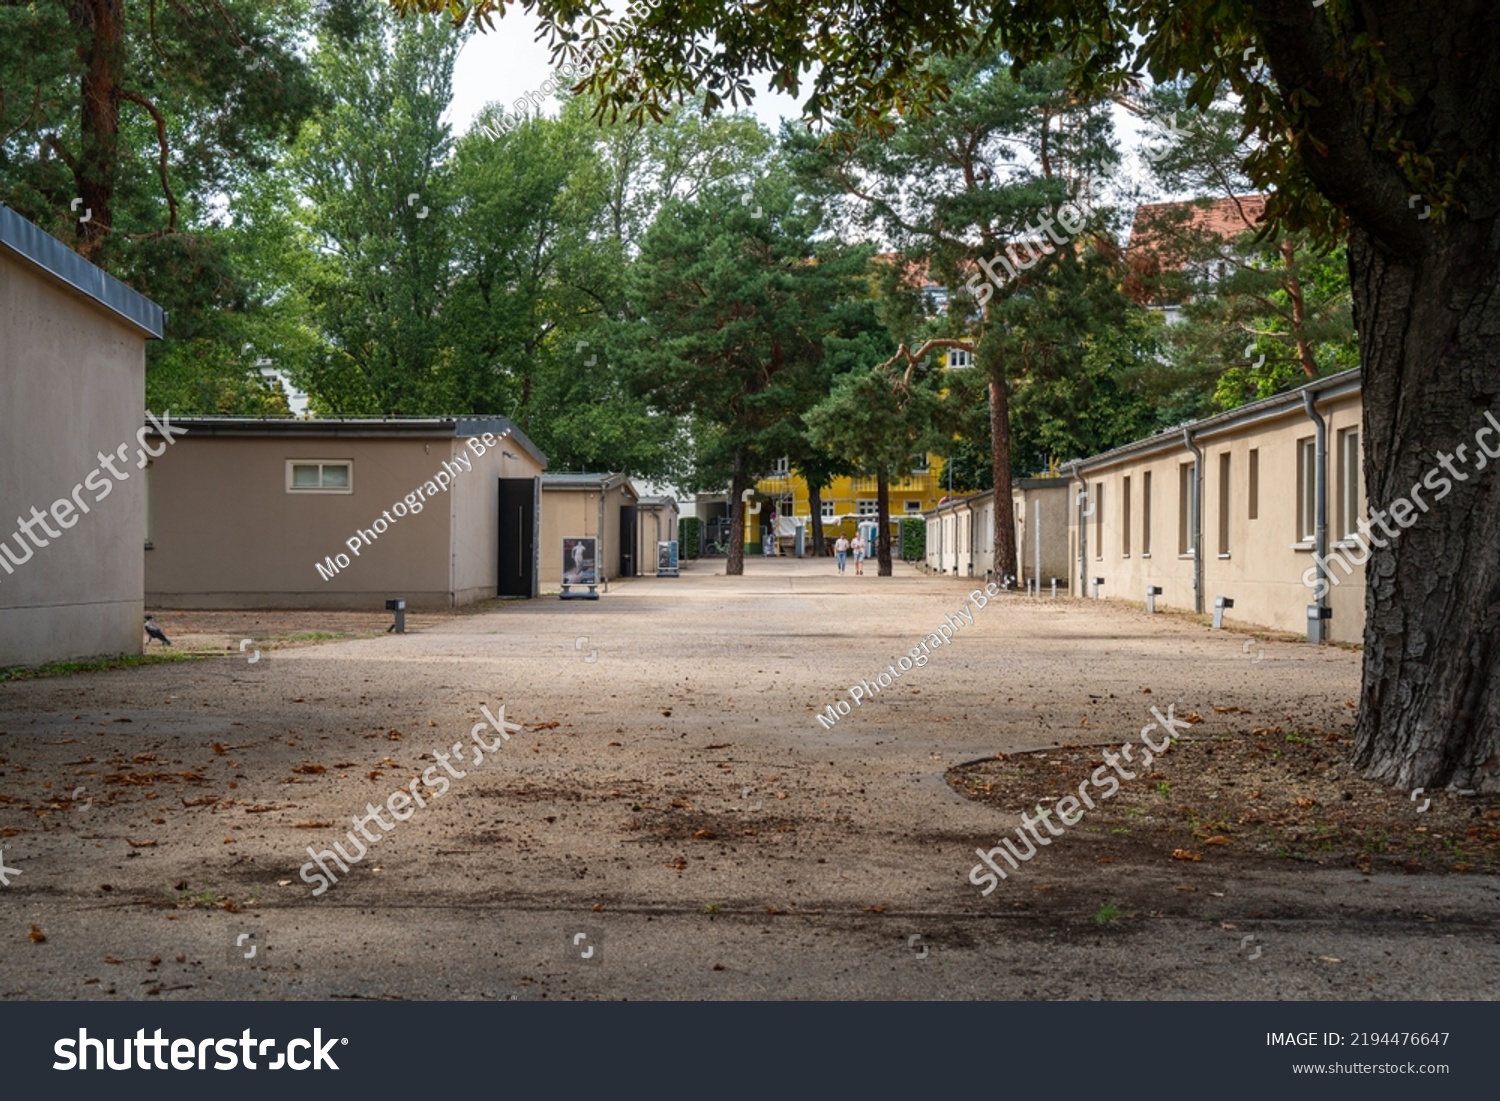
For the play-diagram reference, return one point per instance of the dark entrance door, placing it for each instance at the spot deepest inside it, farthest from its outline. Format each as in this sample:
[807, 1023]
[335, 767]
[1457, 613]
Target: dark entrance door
[517, 576]
[629, 540]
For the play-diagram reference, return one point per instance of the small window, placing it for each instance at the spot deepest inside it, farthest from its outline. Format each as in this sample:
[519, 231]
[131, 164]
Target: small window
[781, 467]
[1125, 518]
[830, 509]
[1253, 490]
[1146, 513]
[1224, 503]
[1099, 516]
[867, 506]
[960, 359]
[912, 506]
[920, 464]
[1185, 508]
[1349, 464]
[1307, 490]
[318, 476]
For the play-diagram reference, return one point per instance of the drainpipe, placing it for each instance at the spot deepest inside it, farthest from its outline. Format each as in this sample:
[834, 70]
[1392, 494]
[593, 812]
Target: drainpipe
[1320, 499]
[1195, 519]
[1083, 530]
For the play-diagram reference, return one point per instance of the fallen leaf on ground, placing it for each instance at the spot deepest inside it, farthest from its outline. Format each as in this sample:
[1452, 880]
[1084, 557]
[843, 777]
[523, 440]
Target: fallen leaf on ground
[36, 936]
[1183, 854]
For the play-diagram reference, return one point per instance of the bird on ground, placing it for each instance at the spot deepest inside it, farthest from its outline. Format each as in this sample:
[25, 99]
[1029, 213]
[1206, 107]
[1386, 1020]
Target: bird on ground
[156, 632]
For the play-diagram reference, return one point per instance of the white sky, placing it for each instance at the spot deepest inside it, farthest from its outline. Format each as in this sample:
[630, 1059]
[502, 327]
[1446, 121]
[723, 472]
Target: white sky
[506, 63]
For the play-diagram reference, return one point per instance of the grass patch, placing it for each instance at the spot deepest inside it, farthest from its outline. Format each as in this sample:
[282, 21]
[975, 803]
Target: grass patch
[93, 665]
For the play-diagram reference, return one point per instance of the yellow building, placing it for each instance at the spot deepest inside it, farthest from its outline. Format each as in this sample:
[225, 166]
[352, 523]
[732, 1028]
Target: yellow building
[848, 502]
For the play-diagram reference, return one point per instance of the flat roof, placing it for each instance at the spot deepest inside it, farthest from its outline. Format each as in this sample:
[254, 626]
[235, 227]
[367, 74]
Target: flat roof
[603, 482]
[29, 242]
[361, 428]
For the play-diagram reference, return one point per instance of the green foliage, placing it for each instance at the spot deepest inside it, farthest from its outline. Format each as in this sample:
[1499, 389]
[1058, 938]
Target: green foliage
[913, 538]
[689, 536]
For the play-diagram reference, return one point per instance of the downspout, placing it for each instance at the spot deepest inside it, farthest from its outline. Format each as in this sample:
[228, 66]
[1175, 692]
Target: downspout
[1195, 519]
[1320, 494]
[602, 566]
[1083, 530]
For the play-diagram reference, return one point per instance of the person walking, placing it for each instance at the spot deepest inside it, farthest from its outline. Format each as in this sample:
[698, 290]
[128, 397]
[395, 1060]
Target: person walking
[858, 547]
[841, 552]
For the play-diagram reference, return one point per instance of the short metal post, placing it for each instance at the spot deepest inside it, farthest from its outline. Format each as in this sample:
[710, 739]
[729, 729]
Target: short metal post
[1220, 603]
[399, 607]
[1316, 615]
[1097, 582]
[1054, 588]
[1152, 592]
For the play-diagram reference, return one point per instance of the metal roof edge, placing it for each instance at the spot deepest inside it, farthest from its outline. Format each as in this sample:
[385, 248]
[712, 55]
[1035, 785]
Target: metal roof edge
[34, 245]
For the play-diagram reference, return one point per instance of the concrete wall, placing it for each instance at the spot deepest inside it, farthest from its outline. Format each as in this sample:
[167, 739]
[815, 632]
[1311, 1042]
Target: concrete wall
[227, 533]
[72, 385]
[1252, 543]
[1053, 497]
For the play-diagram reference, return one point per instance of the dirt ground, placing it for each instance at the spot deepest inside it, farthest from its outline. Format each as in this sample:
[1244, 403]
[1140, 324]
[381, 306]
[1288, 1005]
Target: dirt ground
[668, 819]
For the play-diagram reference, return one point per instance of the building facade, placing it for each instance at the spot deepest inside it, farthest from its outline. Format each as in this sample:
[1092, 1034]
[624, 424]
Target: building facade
[72, 392]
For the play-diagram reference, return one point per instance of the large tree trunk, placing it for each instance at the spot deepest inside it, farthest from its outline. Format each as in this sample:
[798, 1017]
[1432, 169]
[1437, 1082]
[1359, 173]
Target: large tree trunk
[1430, 702]
[735, 566]
[1004, 520]
[883, 514]
[815, 504]
[1426, 311]
[100, 26]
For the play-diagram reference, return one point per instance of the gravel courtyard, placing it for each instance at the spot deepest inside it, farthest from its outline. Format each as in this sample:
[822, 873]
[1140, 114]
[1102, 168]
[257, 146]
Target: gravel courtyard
[671, 820]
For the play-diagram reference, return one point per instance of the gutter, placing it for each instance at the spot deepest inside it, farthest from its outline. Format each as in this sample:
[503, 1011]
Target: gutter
[1195, 519]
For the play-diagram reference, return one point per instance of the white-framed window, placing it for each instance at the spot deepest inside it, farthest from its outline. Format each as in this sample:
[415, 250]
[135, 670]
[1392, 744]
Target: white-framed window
[1185, 490]
[912, 506]
[1307, 490]
[830, 509]
[1349, 467]
[781, 467]
[319, 476]
[960, 359]
[920, 464]
[867, 506]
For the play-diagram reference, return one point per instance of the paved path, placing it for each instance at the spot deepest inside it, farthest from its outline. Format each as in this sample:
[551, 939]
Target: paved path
[682, 809]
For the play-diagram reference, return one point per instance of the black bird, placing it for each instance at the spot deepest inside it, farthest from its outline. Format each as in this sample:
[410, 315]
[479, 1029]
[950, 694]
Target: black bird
[155, 632]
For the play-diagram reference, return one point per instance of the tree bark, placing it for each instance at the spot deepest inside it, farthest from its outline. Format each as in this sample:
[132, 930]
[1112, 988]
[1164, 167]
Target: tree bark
[100, 27]
[735, 566]
[1004, 524]
[883, 514]
[815, 505]
[1430, 699]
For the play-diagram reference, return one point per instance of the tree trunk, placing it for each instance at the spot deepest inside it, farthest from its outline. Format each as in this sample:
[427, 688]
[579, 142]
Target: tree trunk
[1430, 701]
[100, 26]
[1004, 522]
[883, 514]
[815, 504]
[735, 566]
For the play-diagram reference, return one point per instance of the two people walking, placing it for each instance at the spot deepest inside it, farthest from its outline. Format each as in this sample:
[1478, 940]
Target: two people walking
[841, 551]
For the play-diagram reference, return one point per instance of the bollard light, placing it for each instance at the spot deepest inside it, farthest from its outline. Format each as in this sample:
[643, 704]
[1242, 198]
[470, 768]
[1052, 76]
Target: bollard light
[1220, 603]
[1152, 592]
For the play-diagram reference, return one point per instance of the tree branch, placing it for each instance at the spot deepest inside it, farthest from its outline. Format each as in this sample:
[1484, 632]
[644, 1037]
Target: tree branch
[161, 141]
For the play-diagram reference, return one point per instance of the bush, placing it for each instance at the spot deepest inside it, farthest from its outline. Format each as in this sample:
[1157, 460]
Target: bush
[689, 532]
[913, 539]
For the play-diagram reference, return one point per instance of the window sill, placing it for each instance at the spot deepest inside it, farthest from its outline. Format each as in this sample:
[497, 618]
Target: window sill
[1302, 548]
[1186, 557]
[1125, 555]
[1146, 555]
[150, 545]
[1225, 555]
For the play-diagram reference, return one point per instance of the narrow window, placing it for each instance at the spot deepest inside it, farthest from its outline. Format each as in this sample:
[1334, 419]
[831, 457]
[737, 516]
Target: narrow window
[1099, 519]
[1307, 492]
[1146, 513]
[1125, 518]
[1254, 488]
[1224, 503]
[1349, 462]
[1184, 508]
